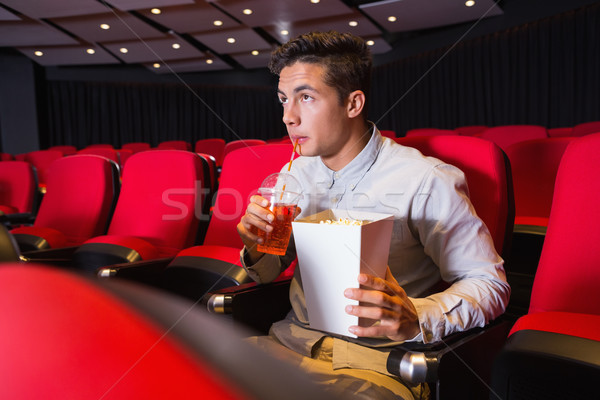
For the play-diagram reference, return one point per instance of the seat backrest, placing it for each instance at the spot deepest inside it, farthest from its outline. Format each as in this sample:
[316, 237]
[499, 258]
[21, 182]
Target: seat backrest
[506, 135]
[6, 157]
[67, 150]
[41, 160]
[566, 131]
[388, 133]
[585, 128]
[136, 147]
[488, 175]
[237, 144]
[81, 193]
[534, 165]
[243, 171]
[429, 132]
[568, 274]
[18, 186]
[213, 146]
[158, 199]
[175, 145]
[470, 130]
[107, 152]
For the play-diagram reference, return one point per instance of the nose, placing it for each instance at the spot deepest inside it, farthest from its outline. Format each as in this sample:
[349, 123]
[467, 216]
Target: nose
[290, 115]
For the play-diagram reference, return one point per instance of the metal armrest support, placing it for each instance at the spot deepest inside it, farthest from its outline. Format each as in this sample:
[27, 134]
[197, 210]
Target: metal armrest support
[57, 257]
[459, 366]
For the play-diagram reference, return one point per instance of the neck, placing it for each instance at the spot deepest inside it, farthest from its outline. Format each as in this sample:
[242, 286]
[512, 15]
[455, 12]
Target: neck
[360, 134]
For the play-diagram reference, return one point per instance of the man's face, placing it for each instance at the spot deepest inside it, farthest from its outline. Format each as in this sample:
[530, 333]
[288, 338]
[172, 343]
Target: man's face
[312, 111]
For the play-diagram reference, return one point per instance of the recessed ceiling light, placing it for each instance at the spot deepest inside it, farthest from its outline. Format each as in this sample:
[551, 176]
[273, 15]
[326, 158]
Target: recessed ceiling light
[105, 26]
[230, 40]
[315, 1]
[469, 3]
[247, 11]
[38, 53]
[353, 23]
[176, 46]
[217, 22]
[156, 65]
[155, 11]
[209, 61]
[285, 32]
[123, 50]
[90, 51]
[370, 42]
[391, 18]
[254, 52]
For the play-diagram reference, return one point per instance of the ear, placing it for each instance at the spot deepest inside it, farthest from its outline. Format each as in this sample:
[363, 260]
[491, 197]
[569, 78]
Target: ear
[356, 103]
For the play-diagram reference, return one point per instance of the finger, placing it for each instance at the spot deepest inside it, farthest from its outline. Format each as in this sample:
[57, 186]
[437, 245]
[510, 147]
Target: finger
[371, 331]
[260, 213]
[376, 283]
[375, 297]
[370, 312]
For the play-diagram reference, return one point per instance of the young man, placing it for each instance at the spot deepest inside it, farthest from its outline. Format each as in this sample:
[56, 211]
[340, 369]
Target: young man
[347, 164]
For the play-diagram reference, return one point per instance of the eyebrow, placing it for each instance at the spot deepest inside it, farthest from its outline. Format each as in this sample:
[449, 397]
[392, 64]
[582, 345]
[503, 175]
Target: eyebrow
[299, 89]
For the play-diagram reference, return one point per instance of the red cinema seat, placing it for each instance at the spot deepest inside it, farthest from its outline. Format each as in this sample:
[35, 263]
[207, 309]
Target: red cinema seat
[80, 195]
[470, 130]
[506, 135]
[41, 160]
[212, 146]
[175, 145]
[552, 351]
[488, 176]
[534, 166]
[156, 213]
[560, 132]
[67, 150]
[107, 152]
[216, 263]
[586, 128]
[18, 187]
[136, 147]
[6, 157]
[388, 133]
[430, 132]
[238, 144]
[68, 337]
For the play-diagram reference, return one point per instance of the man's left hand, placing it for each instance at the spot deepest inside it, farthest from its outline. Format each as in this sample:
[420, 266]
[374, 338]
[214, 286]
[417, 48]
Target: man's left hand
[383, 300]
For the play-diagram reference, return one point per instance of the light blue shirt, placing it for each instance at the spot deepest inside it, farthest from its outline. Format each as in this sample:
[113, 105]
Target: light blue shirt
[436, 235]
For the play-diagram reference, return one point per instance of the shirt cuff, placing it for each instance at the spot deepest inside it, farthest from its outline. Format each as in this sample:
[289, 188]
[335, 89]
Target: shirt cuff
[265, 270]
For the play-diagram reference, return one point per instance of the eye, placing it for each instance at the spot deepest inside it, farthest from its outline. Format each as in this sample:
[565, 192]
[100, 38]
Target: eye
[306, 97]
[283, 100]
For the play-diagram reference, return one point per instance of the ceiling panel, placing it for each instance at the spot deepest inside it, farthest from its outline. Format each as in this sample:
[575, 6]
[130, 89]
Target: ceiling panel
[57, 8]
[196, 65]
[6, 15]
[244, 40]
[354, 22]
[146, 4]
[199, 17]
[122, 26]
[249, 60]
[409, 15]
[69, 55]
[151, 50]
[264, 12]
[32, 34]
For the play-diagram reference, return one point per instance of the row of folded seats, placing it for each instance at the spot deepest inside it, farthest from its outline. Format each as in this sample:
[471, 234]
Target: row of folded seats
[151, 235]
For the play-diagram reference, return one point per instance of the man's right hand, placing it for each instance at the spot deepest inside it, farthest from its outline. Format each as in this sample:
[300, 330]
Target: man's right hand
[257, 217]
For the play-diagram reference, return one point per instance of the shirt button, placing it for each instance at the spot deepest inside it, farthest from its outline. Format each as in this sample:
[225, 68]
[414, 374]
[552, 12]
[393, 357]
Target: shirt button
[352, 187]
[334, 200]
[336, 175]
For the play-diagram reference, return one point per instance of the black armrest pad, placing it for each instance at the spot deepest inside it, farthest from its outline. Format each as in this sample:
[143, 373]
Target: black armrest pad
[549, 365]
[257, 306]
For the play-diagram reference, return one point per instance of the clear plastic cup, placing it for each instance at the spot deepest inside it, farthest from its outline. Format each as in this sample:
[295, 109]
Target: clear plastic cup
[283, 192]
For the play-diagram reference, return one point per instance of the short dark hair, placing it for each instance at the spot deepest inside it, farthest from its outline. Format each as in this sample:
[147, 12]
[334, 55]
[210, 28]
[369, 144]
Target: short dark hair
[346, 58]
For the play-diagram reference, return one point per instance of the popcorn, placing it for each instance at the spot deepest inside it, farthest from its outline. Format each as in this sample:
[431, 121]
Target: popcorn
[343, 221]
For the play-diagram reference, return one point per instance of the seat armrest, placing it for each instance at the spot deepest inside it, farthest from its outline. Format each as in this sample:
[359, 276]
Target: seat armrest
[255, 305]
[145, 271]
[547, 365]
[461, 360]
[61, 257]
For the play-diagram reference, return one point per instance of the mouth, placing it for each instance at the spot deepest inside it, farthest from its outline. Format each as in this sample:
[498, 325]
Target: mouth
[300, 139]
